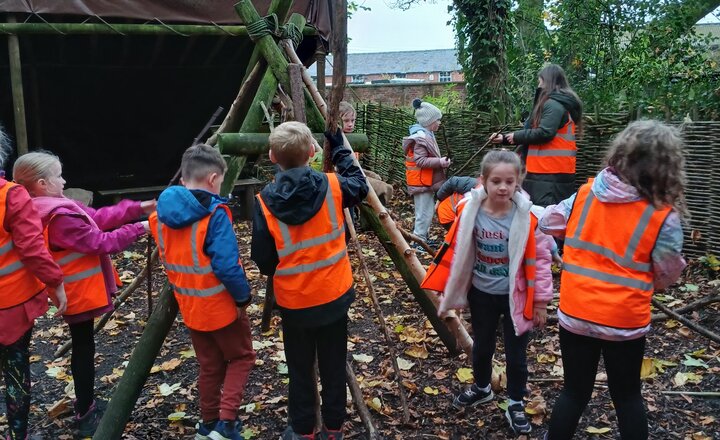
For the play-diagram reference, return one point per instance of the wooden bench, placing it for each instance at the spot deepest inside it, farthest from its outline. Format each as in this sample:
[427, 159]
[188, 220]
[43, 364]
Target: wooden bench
[241, 202]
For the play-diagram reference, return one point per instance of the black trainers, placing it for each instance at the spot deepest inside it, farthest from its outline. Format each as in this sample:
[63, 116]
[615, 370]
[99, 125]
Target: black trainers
[472, 396]
[515, 414]
[87, 424]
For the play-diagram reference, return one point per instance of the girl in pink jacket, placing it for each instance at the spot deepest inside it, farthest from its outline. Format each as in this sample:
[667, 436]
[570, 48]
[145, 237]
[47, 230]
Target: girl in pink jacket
[488, 275]
[78, 235]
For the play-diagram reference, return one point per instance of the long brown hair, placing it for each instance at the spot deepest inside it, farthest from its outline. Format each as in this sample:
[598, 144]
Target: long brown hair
[554, 81]
[649, 156]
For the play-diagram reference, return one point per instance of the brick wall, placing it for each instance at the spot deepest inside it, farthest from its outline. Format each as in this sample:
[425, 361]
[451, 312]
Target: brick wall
[399, 94]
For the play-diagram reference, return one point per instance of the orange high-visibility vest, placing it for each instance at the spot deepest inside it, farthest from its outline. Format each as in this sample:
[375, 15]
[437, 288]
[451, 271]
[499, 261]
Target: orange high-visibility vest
[437, 274]
[17, 284]
[83, 278]
[203, 300]
[415, 175]
[607, 275]
[447, 209]
[314, 268]
[556, 156]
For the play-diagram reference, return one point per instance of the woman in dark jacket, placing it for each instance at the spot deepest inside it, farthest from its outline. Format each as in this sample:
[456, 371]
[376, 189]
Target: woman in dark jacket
[555, 121]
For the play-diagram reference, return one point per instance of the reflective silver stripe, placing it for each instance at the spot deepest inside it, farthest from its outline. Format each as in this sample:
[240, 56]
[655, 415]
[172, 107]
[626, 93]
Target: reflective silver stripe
[413, 168]
[554, 153]
[161, 242]
[4, 249]
[84, 274]
[193, 245]
[201, 270]
[210, 291]
[196, 268]
[531, 283]
[608, 253]
[69, 258]
[626, 260]
[566, 136]
[305, 268]
[337, 230]
[530, 261]
[10, 268]
[608, 278]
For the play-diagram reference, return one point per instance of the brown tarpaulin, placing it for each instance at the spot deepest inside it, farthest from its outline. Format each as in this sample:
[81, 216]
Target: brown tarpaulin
[317, 12]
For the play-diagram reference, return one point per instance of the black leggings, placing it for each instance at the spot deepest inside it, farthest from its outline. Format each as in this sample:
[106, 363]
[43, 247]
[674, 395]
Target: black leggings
[623, 360]
[15, 365]
[82, 364]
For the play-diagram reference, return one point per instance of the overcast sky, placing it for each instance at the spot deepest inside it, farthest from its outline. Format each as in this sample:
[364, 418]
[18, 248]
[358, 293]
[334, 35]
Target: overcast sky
[424, 26]
[384, 29]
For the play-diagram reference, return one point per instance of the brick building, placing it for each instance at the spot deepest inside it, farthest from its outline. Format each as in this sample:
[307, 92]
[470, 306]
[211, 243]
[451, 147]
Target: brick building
[418, 66]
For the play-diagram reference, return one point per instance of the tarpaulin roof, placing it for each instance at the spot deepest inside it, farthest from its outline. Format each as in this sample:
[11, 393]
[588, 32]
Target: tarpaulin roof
[317, 12]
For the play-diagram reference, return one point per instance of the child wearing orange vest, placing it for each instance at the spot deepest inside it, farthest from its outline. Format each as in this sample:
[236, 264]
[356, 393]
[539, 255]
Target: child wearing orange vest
[199, 250]
[425, 167]
[623, 239]
[298, 239]
[449, 196]
[27, 268]
[500, 267]
[80, 240]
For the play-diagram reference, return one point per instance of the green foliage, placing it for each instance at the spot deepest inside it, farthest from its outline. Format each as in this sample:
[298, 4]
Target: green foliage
[711, 264]
[620, 55]
[482, 31]
[449, 99]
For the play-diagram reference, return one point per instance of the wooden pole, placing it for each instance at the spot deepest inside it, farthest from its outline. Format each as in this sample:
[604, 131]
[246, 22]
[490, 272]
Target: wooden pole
[421, 296]
[141, 361]
[338, 45]
[296, 92]
[183, 30]
[255, 114]
[380, 316]
[320, 67]
[686, 322]
[249, 144]
[409, 263]
[18, 97]
[359, 401]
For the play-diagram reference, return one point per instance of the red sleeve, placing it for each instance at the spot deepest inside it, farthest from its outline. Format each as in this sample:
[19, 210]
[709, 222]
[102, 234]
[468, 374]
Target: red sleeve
[22, 221]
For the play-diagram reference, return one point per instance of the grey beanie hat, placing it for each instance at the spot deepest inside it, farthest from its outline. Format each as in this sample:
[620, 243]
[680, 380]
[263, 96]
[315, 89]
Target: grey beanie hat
[426, 113]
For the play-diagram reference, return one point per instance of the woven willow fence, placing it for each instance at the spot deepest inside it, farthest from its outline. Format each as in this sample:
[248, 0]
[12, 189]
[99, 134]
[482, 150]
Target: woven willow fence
[463, 132]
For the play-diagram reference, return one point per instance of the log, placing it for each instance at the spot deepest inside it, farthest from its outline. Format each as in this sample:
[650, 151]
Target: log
[688, 323]
[315, 93]
[184, 30]
[249, 144]
[704, 302]
[18, 97]
[141, 361]
[421, 296]
[296, 92]
[254, 74]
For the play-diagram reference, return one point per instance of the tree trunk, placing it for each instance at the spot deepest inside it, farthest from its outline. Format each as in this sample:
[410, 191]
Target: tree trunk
[141, 361]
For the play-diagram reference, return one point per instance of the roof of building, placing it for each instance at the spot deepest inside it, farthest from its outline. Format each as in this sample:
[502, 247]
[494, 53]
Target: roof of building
[711, 29]
[415, 61]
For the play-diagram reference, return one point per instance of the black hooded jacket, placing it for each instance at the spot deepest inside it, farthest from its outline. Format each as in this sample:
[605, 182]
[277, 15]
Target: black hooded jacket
[295, 196]
[554, 116]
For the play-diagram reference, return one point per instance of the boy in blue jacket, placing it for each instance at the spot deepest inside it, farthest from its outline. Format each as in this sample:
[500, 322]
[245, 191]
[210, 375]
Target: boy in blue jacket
[198, 247]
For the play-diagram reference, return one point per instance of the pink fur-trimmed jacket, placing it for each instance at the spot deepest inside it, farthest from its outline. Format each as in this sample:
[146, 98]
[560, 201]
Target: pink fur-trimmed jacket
[461, 268]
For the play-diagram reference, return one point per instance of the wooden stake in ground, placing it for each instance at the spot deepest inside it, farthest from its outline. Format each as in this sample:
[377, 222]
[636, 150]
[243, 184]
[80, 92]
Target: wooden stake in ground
[18, 96]
[380, 316]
